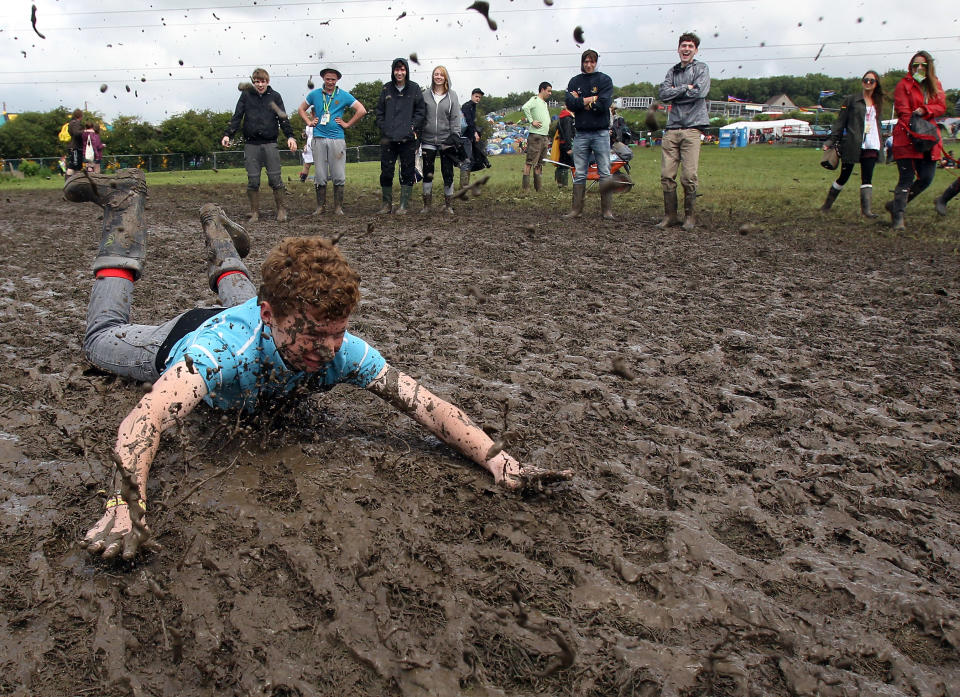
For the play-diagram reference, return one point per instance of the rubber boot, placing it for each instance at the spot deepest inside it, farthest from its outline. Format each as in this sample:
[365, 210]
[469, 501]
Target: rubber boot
[254, 197]
[227, 243]
[832, 194]
[579, 191]
[689, 210]
[537, 181]
[561, 175]
[387, 195]
[338, 199]
[525, 183]
[281, 210]
[866, 201]
[123, 240]
[670, 210]
[606, 205]
[427, 203]
[940, 202]
[465, 182]
[897, 207]
[405, 193]
[321, 199]
[448, 204]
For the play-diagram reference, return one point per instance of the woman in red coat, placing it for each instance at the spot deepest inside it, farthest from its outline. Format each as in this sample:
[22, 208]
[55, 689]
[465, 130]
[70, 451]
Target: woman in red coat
[919, 92]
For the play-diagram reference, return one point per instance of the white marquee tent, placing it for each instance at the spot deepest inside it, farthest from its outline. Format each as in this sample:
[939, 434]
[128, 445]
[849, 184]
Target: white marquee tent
[782, 127]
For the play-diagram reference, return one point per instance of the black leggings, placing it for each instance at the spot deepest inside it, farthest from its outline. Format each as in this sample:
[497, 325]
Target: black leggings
[446, 168]
[916, 174]
[866, 169]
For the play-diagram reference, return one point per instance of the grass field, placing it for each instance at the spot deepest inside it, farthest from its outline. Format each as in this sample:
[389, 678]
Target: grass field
[779, 188]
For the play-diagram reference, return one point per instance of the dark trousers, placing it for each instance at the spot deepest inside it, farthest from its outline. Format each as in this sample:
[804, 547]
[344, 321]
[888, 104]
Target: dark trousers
[429, 163]
[406, 150]
[866, 170]
[916, 174]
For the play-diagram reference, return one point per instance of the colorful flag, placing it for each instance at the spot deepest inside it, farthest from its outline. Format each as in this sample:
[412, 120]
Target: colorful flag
[731, 98]
[826, 93]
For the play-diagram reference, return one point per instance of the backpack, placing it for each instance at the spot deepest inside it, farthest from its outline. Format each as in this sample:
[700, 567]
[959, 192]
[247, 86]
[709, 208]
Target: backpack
[88, 154]
[65, 133]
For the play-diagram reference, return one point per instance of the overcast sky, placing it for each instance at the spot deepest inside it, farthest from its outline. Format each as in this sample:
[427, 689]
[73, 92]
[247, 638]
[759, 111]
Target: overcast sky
[155, 59]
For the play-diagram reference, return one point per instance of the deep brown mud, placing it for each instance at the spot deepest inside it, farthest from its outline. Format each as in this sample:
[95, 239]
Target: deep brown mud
[771, 506]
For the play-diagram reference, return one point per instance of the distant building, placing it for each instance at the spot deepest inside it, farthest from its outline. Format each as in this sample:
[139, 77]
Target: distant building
[781, 101]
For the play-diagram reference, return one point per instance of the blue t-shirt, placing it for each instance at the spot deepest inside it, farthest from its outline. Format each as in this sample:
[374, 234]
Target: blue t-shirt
[334, 104]
[237, 359]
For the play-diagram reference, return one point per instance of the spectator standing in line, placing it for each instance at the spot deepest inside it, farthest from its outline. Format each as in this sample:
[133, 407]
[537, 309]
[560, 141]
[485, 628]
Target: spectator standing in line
[918, 92]
[329, 139]
[857, 131]
[471, 135]
[93, 146]
[261, 110]
[685, 89]
[538, 144]
[401, 114]
[307, 153]
[566, 131]
[589, 96]
[441, 126]
[75, 153]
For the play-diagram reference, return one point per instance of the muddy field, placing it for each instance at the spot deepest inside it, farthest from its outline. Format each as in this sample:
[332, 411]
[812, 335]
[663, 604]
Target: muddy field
[764, 429]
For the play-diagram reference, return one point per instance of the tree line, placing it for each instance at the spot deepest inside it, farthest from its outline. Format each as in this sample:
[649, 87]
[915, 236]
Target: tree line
[195, 133]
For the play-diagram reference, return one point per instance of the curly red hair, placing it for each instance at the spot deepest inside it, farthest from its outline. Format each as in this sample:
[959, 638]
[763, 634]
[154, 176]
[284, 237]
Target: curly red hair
[308, 274]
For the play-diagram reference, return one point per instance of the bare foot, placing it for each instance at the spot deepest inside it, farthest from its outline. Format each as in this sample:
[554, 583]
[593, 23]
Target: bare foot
[530, 478]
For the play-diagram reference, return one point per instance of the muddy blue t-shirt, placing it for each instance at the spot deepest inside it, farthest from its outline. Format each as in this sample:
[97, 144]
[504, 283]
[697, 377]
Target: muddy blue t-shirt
[235, 355]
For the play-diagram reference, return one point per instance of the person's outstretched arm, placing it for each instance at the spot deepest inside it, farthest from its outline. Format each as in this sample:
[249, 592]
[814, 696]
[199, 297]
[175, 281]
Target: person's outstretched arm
[453, 427]
[172, 397]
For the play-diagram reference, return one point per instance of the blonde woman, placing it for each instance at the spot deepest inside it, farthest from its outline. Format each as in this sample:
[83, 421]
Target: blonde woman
[443, 124]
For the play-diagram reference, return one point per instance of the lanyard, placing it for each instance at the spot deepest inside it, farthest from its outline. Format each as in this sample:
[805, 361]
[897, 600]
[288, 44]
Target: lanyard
[327, 100]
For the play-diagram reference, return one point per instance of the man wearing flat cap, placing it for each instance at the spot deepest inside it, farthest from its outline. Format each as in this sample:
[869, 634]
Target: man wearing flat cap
[329, 144]
[589, 96]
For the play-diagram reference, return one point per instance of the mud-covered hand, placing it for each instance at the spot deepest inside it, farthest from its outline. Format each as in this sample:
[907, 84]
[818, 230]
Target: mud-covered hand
[114, 534]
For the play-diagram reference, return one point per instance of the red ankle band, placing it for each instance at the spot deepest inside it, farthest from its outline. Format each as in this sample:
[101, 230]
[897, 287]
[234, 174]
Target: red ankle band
[228, 273]
[115, 273]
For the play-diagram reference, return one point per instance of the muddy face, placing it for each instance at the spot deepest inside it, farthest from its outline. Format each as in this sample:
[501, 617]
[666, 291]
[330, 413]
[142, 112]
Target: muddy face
[304, 342]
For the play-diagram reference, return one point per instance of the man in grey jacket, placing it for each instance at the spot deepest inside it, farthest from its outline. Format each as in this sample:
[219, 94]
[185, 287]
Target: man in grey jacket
[685, 89]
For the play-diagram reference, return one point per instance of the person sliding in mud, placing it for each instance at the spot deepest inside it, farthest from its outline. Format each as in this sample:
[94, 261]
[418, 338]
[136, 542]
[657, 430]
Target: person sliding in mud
[251, 352]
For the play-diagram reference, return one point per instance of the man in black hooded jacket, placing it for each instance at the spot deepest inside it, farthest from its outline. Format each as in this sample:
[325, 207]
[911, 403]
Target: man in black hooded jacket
[401, 114]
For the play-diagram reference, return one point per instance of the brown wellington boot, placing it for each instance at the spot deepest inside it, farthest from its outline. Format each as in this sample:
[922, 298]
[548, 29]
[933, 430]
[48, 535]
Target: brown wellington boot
[579, 192]
[670, 210]
[278, 195]
[537, 181]
[689, 210]
[123, 240]
[427, 203]
[321, 199]
[832, 194]
[227, 243]
[464, 183]
[254, 197]
[606, 205]
[525, 183]
[338, 199]
[448, 204]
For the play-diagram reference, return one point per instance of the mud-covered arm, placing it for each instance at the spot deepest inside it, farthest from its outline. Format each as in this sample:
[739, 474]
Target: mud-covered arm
[453, 427]
[172, 397]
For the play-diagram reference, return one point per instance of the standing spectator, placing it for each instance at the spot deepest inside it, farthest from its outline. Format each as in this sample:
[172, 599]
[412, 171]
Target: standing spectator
[566, 131]
[918, 92]
[329, 140]
[589, 96]
[441, 126]
[92, 147]
[75, 153]
[261, 110]
[307, 153]
[471, 136]
[857, 130]
[538, 144]
[685, 89]
[619, 131]
[400, 115]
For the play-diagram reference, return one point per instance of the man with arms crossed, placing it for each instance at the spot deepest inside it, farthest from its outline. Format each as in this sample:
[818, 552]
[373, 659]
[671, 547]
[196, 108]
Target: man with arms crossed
[685, 89]
[589, 96]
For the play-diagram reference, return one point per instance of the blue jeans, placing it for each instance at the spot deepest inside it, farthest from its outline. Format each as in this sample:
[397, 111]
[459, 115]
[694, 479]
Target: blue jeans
[585, 142]
[130, 350]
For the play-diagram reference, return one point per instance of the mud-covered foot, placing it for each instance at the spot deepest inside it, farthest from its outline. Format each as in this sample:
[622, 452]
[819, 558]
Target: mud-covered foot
[210, 212]
[113, 190]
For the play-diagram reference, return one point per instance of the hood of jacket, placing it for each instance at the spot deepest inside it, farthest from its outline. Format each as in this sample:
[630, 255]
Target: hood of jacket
[394, 65]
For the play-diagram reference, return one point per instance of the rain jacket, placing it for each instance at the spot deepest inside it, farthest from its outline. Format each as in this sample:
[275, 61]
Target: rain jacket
[688, 108]
[400, 114]
[263, 116]
[441, 119]
[907, 97]
[848, 129]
